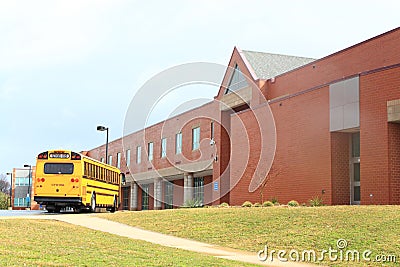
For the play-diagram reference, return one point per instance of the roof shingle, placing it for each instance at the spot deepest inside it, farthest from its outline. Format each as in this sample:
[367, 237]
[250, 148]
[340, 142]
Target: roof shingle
[267, 65]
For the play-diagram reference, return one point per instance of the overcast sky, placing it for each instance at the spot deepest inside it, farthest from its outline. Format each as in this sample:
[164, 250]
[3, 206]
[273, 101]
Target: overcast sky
[68, 66]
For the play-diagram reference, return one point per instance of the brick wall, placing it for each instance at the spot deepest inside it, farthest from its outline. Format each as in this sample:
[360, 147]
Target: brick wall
[302, 157]
[394, 162]
[201, 116]
[178, 193]
[375, 90]
[377, 52]
[340, 168]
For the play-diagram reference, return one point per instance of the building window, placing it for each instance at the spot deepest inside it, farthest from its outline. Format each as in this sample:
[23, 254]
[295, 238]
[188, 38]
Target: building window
[195, 138]
[22, 181]
[20, 202]
[355, 144]
[212, 130]
[102, 160]
[150, 147]
[145, 197]
[178, 143]
[168, 195]
[110, 160]
[163, 147]
[128, 157]
[118, 160]
[238, 81]
[138, 154]
[199, 190]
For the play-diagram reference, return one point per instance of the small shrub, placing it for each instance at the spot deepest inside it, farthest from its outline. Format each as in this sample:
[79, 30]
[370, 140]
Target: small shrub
[275, 201]
[268, 204]
[4, 201]
[224, 205]
[293, 203]
[247, 204]
[193, 203]
[303, 204]
[316, 202]
[257, 205]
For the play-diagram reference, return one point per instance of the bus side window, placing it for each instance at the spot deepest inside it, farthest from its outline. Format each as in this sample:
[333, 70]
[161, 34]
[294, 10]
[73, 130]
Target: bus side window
[85, 169]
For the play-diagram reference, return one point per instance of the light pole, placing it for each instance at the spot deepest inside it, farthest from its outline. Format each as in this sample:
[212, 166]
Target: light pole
[10, 173]
[101, 129]
[28, 196]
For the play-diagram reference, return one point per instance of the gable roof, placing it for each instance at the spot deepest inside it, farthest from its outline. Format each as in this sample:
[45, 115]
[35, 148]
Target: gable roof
[267, 65]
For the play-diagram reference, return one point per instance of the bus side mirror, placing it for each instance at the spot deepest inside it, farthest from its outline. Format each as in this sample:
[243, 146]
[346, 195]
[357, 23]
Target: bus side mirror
[123, 178]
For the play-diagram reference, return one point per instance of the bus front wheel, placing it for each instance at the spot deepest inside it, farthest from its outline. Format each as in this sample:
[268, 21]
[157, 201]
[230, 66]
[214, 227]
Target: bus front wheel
[93, 203]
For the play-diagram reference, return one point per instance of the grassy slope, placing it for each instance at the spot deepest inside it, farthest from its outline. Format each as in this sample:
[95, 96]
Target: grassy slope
[364, 227]
[51, 243]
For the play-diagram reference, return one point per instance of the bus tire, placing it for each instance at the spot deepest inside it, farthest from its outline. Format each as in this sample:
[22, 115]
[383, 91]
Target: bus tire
[50, 209]
[93, 203]
[114, 208]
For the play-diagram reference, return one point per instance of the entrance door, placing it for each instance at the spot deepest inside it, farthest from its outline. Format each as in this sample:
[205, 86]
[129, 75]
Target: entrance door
[355, 169]
[125, 198]
[145, 197]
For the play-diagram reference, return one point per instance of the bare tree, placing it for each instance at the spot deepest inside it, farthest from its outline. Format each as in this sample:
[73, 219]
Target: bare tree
[273, 173]
[4, 184]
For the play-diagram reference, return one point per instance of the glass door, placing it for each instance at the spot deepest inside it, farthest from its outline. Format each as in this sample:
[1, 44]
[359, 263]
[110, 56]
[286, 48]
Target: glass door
[145, 197]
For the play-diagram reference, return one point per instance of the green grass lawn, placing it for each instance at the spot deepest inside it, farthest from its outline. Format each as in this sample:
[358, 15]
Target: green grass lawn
[376, 228]
[51, 243]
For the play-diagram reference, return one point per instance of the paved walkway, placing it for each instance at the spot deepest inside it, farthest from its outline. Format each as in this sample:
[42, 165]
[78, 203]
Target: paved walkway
[99, 224]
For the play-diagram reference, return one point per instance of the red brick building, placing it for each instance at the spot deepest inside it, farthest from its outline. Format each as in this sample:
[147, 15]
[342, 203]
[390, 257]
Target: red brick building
[336, 134]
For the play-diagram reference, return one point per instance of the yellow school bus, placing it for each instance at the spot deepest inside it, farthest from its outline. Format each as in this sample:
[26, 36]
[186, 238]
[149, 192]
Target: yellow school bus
[66, 179]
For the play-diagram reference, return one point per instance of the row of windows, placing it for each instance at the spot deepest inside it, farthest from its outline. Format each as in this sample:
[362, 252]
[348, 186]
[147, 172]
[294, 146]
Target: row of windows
[22, 181]
[150, 148]
[21, 202]
[99, 173]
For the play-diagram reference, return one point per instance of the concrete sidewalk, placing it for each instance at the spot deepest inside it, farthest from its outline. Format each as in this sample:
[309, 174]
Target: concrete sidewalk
[99, 224]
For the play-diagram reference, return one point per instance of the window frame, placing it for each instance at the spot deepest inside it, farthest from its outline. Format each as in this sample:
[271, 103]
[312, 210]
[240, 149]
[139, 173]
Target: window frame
[150, 152]
[118, 165]
[163, 147]
[178, 143]
[128, 157]
[196, 138]
[138, 154]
